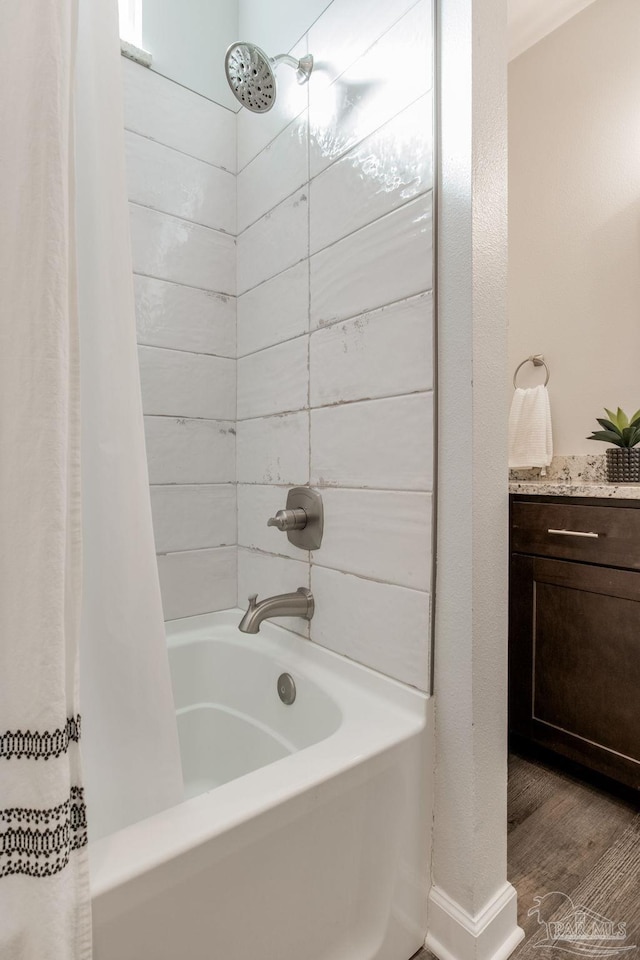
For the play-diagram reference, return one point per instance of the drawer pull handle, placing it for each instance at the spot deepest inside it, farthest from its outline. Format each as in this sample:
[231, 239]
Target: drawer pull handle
[574, 533]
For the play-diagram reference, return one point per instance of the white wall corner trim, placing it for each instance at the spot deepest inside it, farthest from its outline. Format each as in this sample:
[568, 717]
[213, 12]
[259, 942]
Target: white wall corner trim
[491, 935]
[470, 822]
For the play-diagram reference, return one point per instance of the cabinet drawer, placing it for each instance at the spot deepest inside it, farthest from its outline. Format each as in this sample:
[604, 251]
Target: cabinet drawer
[605, 535]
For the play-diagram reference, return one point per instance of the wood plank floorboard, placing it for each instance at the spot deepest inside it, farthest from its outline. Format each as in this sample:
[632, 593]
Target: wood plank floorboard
[569, 836]
[529, 786]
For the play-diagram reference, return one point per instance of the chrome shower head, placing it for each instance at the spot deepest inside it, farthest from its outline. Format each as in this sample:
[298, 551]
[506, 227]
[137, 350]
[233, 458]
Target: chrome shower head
[251, 74]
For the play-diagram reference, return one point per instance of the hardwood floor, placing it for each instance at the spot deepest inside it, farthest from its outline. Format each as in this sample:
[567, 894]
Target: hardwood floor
[574, 838]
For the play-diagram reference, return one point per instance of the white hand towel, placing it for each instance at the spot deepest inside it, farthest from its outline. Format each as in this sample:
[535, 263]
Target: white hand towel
[530, 443]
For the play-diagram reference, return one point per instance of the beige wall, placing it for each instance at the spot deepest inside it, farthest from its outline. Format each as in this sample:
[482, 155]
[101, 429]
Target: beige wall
[574, 216]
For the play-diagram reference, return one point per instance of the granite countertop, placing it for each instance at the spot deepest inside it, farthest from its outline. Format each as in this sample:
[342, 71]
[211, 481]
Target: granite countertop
[568, 488]
[572, 476]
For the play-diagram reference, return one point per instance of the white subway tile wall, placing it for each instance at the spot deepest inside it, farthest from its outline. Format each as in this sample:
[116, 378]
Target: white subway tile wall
[274, 174]
[180, 450]
[381, 173]
[164, 111]
[276, 310]
[168, 248]
[184, 318]
[358, 521]
[324, 372]
[274, 380]
[181, 160]
[346, 30]
[379, 624]
[274, 242]
[378, 444]
[172, 182]
[335, 316]
[292, 99]
[198, 581]
[176, 382]
[192, 516]
[389, 76]
[273, 449]
[352, 360]
[386, 261]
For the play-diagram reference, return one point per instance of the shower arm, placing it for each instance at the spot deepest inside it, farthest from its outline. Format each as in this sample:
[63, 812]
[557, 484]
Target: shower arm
[284, 58]
[303, 67]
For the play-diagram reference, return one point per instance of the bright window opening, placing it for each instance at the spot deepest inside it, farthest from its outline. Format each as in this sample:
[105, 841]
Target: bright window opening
[131, 21]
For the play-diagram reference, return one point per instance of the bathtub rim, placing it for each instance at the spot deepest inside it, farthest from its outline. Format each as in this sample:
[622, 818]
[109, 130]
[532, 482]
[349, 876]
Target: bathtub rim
[276, 636]
[378, 714]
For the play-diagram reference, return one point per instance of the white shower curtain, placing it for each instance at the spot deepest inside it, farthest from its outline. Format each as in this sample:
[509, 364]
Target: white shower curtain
[129, 737]
[130, 741]
[44, 911]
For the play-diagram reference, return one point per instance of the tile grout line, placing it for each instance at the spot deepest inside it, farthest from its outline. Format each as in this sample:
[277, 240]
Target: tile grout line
[181, 283]
[257, 551]
[367, 311]
[307, 183]
[414, 297]
[182, 153]
[219, 546]
[371, 223]
[190, 286]
[334, 243]
[192, 353]
[328, 406]
[181, 419]
[169, 484]
[189, 483]
[175, 216]
[284, 485]
[338, 485]
[184, 416]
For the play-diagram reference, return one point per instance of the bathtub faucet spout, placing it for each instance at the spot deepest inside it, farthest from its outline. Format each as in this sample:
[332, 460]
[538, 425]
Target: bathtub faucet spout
[298, 604]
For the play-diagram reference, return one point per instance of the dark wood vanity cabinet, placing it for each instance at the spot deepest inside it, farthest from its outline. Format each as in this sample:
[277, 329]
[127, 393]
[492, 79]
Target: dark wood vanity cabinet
[574, 630]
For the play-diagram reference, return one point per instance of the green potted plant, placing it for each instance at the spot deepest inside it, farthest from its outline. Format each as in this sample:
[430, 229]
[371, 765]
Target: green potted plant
[623, 460]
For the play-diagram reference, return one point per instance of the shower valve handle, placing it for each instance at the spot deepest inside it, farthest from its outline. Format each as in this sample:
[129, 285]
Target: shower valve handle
[302, 519]
[295, 519]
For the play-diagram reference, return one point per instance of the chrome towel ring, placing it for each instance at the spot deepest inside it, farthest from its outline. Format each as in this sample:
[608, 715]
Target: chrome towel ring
[538, 361]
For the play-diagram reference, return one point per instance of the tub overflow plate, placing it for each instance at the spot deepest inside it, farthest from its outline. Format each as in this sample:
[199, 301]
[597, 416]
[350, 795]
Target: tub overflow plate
[286, 688]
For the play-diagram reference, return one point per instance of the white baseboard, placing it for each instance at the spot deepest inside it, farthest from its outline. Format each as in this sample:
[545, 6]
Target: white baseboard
[453, 934]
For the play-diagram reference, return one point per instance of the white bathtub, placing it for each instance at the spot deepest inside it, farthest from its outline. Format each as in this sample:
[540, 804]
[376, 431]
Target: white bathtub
[305, 831]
